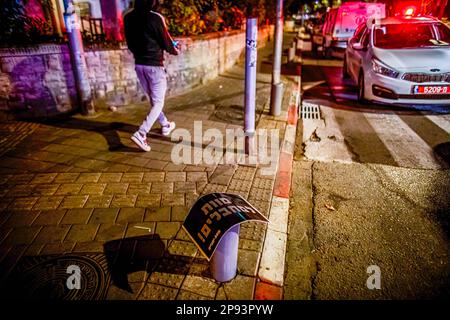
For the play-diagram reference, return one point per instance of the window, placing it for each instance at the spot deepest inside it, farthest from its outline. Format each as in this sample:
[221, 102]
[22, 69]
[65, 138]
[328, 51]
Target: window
[83, 9]
[365, 38]
[413, 35]
[359, 33]
[443, 33]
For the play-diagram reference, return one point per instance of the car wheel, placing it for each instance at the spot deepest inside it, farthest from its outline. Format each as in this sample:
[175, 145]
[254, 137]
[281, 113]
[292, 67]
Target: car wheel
[316, 52]
[361, 84]
[345, 74]
[319, 53]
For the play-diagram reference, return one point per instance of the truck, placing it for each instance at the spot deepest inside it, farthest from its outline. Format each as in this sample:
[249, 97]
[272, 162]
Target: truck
[339, 24]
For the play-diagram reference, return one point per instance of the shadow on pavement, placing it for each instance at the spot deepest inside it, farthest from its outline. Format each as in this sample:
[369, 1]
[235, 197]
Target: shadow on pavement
[441, 212]
[443, 151]
[109, 130]
[131, 255]
[145, 253]
[287, 69]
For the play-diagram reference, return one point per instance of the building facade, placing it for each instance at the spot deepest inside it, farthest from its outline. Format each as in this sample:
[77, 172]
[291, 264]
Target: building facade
[97, 17]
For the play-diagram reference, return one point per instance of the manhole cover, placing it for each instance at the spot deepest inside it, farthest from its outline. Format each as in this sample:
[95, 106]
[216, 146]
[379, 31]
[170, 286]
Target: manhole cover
[45, 277]
[310, 111]
[231, 114]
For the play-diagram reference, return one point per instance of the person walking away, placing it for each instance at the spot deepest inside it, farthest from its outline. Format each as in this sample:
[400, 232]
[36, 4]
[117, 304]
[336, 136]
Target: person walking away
[147, 38]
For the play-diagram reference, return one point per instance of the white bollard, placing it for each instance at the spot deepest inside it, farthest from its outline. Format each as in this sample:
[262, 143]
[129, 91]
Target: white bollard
[223, 263]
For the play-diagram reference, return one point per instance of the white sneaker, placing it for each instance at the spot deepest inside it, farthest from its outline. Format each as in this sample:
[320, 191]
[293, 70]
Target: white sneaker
[168, 129]
[140, 141]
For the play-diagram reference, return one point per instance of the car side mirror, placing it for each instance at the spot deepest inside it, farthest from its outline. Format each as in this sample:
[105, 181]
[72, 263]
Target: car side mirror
[358, 46]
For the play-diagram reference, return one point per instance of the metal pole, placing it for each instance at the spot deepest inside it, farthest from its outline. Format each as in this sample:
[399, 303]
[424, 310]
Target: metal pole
[251, 57]
[276, 96]
[78, 60]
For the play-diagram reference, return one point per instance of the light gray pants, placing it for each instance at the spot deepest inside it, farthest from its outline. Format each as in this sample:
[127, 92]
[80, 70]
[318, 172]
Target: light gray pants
[154, 82]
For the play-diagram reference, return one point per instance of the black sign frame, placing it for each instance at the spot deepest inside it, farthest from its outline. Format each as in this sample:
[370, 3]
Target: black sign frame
[213, 214]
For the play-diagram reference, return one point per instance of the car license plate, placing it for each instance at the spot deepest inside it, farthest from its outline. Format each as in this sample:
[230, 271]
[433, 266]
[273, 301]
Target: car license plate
[431, 90]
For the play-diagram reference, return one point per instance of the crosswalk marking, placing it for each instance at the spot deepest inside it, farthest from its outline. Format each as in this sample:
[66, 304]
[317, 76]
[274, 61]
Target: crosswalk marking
[406, 147]
[442, 121]
[415, 137]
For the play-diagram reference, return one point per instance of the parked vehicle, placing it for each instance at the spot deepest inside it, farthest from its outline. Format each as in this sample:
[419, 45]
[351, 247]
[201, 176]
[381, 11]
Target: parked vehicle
[404, 60]
[339, 25]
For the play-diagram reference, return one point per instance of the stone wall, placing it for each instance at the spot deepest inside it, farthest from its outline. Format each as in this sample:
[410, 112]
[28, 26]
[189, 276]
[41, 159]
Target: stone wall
[36, 82]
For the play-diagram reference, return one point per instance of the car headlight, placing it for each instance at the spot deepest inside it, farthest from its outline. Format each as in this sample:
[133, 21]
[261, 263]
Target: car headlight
[380, 68]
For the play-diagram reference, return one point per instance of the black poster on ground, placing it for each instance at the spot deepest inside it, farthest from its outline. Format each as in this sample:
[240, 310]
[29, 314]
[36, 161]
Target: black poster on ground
[213, 215]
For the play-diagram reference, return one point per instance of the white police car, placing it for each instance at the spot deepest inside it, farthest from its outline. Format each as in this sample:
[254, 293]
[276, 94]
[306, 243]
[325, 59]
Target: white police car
[402, 60]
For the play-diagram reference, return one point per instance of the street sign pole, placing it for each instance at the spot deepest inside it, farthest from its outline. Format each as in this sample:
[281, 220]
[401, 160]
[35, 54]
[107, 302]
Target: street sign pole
[276, 96]
[73, 27]
[251, 57]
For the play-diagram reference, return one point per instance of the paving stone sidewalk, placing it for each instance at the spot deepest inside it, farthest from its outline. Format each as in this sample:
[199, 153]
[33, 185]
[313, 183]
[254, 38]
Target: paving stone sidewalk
[78, 187]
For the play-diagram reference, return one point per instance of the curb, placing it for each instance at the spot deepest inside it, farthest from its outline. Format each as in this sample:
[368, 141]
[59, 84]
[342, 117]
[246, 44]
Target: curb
[272, 263]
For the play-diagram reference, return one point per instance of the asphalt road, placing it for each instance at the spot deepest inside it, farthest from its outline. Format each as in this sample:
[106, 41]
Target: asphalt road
[371, 187]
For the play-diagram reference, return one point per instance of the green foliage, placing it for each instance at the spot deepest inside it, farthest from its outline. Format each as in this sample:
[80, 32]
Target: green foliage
[192, 17]
[183, 17]
[12, 21]
[233, 18]
[16, 28]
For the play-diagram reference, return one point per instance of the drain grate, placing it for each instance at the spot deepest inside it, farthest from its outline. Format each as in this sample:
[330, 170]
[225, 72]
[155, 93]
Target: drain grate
[310, 111]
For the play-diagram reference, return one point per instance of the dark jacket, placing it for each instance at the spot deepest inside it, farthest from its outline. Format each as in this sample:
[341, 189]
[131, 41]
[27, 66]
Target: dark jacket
[147, 37]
